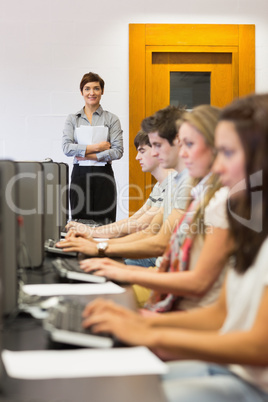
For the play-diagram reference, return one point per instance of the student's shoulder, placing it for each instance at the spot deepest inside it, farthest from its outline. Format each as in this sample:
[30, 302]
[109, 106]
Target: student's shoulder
[156, 188]
[219, 198]
[216, 210]
[182, 177]
[181, 183]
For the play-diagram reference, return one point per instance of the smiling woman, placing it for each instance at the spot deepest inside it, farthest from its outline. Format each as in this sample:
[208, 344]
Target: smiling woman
[93, 137]
[194, 151]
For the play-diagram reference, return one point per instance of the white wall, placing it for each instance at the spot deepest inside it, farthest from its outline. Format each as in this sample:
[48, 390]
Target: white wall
[47, 45]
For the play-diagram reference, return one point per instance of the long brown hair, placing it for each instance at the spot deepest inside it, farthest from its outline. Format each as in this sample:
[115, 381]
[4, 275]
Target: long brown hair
[248, 215]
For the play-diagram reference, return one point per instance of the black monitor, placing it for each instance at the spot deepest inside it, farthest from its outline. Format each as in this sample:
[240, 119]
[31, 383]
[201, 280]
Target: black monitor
[1, 278]
[31, 206]
[9, 234]
[64, 194]
[52, 190]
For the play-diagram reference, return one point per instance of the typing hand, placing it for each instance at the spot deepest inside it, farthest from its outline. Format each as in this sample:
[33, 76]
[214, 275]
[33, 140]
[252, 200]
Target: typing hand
[78, 244]
[106, 267]
[106, 316]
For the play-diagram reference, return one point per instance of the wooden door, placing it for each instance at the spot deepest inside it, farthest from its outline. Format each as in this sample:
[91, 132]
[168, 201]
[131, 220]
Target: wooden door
[220, 67]
[226, 52]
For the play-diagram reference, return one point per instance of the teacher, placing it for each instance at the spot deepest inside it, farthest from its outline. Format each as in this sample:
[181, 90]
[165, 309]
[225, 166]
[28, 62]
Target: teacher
[94, 138]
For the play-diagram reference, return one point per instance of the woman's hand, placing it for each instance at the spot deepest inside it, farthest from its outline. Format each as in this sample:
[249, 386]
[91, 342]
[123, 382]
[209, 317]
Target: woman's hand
[79, 245]
[106, 267]
[128, 326]
[103, 146]
[91, 150]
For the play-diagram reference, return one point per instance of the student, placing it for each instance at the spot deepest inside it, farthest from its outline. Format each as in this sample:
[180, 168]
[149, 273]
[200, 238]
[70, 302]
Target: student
[93, 188]
[225, 343]
[193, 266]
[147, 244]
[143, 217]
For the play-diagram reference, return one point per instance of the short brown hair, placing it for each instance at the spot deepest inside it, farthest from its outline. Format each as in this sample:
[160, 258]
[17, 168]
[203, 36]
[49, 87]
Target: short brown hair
[141, 139]
[91, 77]
[164, 122]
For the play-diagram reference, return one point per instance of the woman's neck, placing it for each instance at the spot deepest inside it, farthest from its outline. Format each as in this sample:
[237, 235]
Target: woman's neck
[89, 110]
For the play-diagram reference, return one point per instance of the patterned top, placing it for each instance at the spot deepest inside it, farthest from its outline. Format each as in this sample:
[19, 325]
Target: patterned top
[185, 247]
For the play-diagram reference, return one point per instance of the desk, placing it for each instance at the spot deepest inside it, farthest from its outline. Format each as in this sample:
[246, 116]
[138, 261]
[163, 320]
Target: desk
[26, 333]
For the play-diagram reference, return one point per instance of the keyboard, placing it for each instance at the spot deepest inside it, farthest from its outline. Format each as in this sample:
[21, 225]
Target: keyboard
[64, 325]
[70, 268]
[50, 246]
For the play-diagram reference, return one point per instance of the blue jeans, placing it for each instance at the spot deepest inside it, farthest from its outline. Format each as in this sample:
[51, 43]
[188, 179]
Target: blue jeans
[142, 262]
[194, 381]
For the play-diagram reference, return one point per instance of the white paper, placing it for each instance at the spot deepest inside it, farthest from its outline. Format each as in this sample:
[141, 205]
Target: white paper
[46, 364]
[89, 135]
[56, 289]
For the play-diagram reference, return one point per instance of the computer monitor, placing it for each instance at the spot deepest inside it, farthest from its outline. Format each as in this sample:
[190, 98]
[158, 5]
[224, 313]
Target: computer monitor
[52, 213]
[9, 235]
[64, 194]
[31, 205]
[1, 278]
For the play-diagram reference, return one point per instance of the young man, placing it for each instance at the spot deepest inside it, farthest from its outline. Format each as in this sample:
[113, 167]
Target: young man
[163, 132]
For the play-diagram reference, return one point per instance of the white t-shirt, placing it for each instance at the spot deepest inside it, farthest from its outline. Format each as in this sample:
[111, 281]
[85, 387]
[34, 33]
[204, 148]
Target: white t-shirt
[157, 196]
[176, 195]
[177, 192]
[243, 296]
[215, 215]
